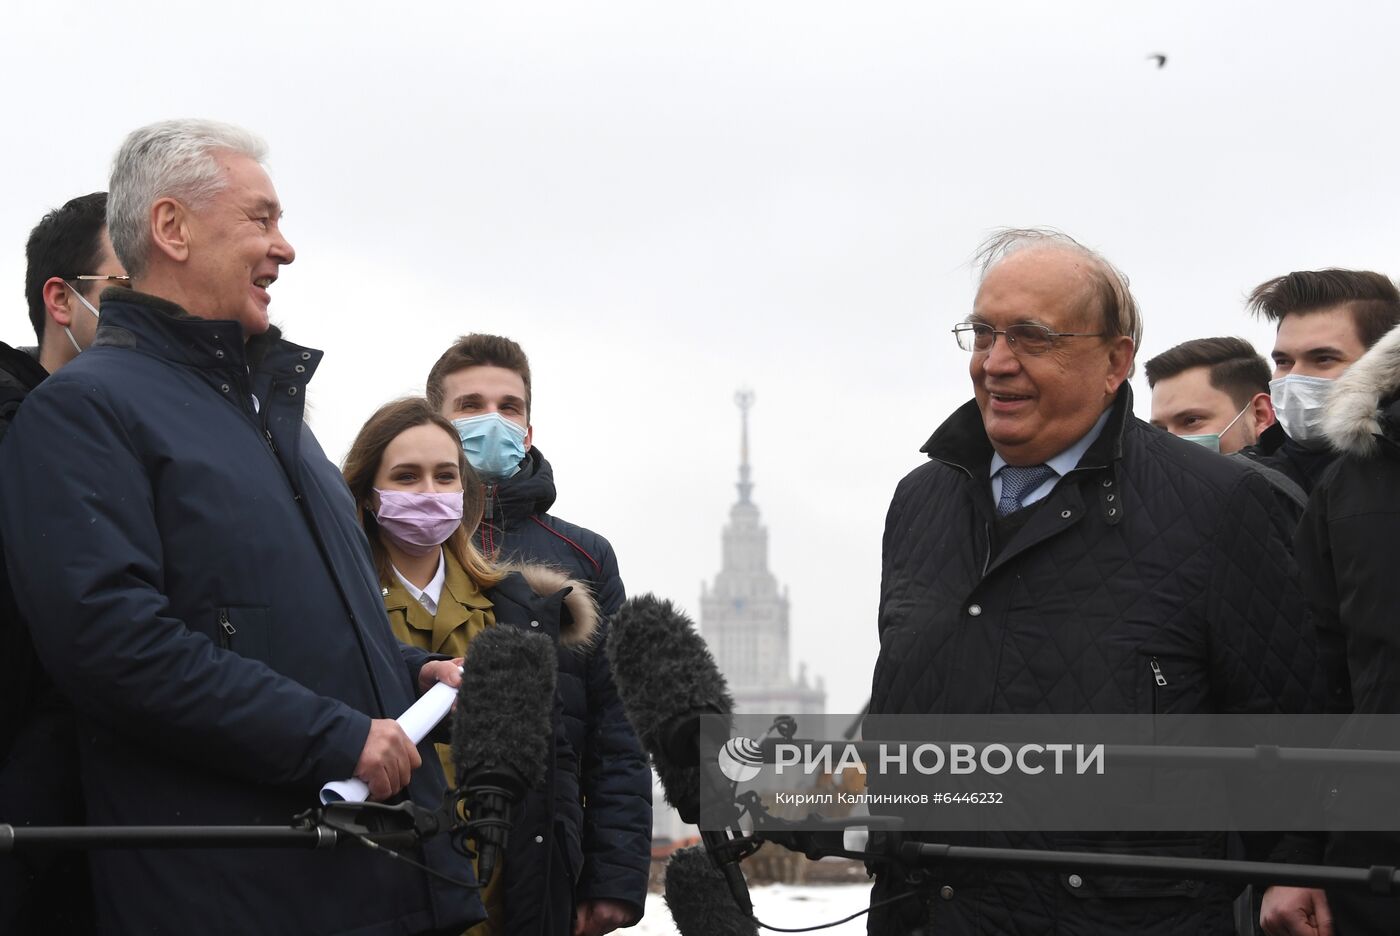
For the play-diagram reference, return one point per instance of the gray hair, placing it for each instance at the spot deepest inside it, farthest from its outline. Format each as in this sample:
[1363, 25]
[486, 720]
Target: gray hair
[1115, 299]
[170, 159]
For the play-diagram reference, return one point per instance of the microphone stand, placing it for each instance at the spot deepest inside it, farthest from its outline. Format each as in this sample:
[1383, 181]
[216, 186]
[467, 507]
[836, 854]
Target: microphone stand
[401, 825]
[1383, 880]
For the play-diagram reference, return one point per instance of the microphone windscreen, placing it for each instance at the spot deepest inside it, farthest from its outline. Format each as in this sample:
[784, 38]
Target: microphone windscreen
[505, 705]
[664, 670]
[698, 897]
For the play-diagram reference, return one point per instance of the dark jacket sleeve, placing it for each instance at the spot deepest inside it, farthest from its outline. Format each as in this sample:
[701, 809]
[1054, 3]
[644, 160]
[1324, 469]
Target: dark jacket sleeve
[610, 594]
[1313, 547]
[1265, 654]
[413, 659]
[87, 561]
[617, 787]
[1263, 651]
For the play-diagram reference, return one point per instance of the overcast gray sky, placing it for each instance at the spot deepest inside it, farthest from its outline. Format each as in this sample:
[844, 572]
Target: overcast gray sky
[665, 201]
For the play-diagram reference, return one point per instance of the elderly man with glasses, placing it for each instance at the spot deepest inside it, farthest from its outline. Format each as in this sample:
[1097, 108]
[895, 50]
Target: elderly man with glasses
[1057, 555]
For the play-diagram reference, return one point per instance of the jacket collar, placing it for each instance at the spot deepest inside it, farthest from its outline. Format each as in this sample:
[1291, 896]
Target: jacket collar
[538, 586]
[1362, 405]
[529, 491]
[1271, 440]
[22, 366]
[962, 439]
[460, 586]
[459, 601]
[163, 329]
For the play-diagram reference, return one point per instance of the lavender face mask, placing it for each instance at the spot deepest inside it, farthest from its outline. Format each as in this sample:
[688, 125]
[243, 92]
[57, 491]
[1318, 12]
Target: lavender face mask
[418, 522]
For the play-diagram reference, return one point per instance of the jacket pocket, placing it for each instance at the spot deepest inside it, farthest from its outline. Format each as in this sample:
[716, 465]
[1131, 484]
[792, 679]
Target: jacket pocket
[244, 630]
[1171, 685]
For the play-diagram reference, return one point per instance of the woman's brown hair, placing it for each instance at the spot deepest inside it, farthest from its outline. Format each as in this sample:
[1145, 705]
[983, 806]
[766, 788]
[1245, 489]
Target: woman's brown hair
[362, 464]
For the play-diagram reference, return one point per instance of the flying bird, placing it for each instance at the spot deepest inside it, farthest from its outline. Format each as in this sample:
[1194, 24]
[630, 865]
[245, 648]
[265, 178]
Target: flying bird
[1160, 59]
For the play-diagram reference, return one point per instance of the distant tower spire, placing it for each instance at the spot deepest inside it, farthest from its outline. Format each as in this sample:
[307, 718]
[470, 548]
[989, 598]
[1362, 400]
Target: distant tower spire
[744, 400]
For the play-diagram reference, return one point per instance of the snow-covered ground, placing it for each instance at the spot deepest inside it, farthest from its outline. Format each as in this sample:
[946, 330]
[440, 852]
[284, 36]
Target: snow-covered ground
[786, 905]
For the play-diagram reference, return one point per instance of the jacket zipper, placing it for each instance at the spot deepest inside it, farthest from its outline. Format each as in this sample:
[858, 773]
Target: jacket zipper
[1160, 680]
[226, 630]
[488, 537]
[266, 430]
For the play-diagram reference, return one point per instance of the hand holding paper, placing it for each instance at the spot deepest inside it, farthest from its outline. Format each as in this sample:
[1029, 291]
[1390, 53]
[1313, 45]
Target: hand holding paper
[389, 754]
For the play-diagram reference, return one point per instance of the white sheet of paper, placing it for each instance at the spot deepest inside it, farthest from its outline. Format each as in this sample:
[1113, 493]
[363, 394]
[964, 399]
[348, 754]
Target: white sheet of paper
[422, 717]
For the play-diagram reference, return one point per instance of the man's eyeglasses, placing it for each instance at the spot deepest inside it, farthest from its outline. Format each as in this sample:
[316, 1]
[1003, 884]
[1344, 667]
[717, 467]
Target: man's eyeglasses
[98, 277]
[1023, 337]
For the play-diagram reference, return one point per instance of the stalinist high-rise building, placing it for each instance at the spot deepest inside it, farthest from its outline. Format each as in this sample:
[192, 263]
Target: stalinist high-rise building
[744, 615]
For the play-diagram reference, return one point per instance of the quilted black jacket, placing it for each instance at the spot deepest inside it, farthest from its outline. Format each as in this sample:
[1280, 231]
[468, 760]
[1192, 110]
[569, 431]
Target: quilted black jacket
[1153, 552]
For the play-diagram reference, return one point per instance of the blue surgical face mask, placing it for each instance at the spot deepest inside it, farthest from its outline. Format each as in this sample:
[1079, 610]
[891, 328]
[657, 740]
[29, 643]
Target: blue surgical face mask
[494, 445]
[1211, 440]
[75, 292]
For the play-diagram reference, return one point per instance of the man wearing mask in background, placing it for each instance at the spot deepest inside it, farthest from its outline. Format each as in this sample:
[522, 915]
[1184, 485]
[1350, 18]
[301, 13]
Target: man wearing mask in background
[1211, 391]
[1349, 566]
[1326, 321]
[1215, 392]
[482, 384]
[68, 260]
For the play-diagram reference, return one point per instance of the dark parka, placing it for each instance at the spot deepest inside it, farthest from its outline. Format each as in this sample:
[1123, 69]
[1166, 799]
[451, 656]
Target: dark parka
[40, 891]
[1302, 464]
[1153, 554]
[210, 608]
[615, 779]
[543, 852]
[1346, 549]
[24, 686]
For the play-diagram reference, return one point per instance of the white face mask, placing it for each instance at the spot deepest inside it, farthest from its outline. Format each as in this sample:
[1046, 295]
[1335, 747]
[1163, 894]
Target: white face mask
[89, 307]
[1299, 402]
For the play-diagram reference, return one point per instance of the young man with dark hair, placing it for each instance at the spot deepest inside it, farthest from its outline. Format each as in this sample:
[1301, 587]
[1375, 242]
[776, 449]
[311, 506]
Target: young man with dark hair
[1213, 391]
[1348, 568]
[1326, 321]
[69, 260]
[482, 384]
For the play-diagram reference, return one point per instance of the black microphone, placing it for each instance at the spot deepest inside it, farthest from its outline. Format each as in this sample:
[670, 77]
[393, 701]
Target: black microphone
[502, 732]
[667, 679]
[698, 897]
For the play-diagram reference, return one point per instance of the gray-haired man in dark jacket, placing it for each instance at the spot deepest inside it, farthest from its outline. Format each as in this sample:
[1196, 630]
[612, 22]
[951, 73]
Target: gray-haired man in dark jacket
[1057, 555]
[207, 597]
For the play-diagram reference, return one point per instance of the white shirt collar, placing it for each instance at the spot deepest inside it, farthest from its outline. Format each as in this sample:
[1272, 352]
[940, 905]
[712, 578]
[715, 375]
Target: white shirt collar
[431, 594]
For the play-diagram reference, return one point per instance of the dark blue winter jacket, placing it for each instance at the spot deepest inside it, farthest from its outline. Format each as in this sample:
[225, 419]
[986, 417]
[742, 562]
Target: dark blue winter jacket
[615, 779]
[210, 608]
[544, 851]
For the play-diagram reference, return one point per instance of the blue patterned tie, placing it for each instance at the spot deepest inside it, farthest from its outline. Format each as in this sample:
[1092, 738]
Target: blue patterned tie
[1016, 483]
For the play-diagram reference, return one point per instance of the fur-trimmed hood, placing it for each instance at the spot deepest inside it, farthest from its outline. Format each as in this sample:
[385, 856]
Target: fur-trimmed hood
[1352, 418]
[582, 622]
